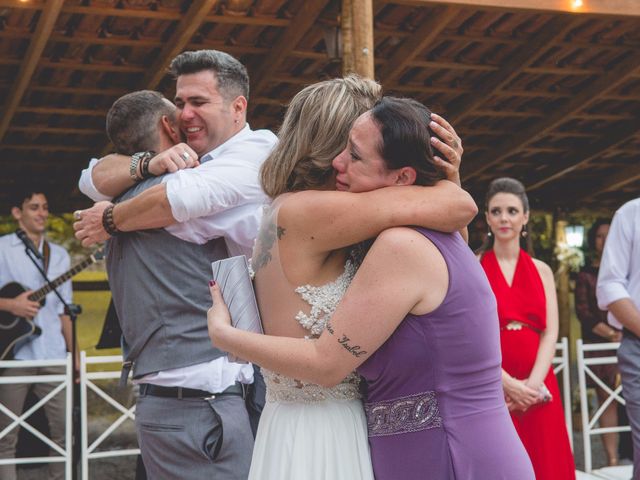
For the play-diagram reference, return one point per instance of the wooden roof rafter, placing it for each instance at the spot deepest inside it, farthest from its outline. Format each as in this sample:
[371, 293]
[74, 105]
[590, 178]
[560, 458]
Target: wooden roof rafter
[621, 178]
[597, 7]
[532, 50]
[589, 152]
[288, 41]
[416, 43]
[579, 102]
[45, 26]
[187, 27]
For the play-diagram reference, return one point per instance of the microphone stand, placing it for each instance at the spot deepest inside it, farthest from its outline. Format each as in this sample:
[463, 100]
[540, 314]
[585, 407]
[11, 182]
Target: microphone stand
[72, 310]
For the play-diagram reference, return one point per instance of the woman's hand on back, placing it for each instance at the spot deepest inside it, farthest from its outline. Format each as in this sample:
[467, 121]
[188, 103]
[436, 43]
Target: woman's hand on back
[451, 148]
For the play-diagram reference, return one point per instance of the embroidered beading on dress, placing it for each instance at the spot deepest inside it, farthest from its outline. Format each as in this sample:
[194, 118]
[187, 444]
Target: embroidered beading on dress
[323, 300]
[402, 415]
[285, 389]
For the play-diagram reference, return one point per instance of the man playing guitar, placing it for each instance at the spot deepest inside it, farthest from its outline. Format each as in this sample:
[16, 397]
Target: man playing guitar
[30, 209]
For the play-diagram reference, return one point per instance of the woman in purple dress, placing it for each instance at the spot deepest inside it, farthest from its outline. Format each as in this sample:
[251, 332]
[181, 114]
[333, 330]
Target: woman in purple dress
[419, 322]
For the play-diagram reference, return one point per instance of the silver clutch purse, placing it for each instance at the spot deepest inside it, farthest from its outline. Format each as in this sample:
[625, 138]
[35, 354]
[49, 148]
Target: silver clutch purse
[232, 275]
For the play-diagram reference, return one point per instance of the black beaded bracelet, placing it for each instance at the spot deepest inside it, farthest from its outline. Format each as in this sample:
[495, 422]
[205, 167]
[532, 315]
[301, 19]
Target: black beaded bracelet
[144, 169]
[108, 223]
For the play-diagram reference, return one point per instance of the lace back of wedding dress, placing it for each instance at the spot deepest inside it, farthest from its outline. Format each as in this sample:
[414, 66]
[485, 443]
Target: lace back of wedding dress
[310, 306]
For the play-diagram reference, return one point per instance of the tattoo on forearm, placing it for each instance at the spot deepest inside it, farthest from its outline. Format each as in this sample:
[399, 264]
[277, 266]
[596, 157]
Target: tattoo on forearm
[329, 328]
[355, 350]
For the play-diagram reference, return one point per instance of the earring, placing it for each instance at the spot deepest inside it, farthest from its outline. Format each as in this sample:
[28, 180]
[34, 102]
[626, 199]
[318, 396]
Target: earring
[524, 231]
[489, 232]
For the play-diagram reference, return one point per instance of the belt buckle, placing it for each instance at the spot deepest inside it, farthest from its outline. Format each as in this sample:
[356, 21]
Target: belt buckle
[210, 397]
[514, 325]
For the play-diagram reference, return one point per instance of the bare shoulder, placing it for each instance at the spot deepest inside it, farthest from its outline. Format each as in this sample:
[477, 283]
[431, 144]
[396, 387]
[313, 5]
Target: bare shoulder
[544, 270]
[399, 238]
[404, 245]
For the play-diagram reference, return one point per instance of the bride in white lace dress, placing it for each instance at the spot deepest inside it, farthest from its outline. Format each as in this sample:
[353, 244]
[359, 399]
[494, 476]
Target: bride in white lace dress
[302, 268]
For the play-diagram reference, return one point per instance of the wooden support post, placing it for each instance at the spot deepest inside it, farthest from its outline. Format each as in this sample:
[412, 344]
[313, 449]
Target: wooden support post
[562, 285]
[357, 37]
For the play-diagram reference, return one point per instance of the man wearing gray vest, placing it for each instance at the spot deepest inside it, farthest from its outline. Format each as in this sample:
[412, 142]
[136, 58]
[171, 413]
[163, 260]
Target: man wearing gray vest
[190, 417]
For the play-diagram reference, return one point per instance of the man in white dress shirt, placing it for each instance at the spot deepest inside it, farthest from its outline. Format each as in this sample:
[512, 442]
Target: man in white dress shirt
[618, 291]
[31, 210]
[220, 200]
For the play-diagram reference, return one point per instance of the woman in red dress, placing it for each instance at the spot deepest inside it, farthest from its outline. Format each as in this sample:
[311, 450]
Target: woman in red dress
[525, 291]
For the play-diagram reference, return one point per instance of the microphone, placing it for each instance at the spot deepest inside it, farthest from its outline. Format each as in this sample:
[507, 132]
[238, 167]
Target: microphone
[22, 235]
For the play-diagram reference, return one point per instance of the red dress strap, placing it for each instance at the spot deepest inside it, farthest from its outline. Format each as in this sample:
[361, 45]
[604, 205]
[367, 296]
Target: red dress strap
[524, 300]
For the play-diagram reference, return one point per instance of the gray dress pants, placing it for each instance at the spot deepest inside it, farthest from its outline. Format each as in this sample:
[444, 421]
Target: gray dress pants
[194, 438]
[629, 363]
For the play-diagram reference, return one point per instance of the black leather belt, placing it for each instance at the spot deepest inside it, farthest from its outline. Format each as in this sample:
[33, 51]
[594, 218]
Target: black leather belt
[182, 392]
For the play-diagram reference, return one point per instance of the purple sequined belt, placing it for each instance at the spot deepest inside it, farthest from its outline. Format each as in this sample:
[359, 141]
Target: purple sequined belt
[403, 415]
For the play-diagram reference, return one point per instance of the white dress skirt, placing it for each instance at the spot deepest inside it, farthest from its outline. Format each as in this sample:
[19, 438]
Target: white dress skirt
[307, 432]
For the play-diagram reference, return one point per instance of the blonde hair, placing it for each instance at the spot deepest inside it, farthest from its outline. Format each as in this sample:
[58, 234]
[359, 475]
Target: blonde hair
[314, 131]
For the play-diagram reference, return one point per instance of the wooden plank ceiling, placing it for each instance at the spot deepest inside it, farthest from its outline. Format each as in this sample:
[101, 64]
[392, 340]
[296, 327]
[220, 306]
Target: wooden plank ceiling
[552, 98]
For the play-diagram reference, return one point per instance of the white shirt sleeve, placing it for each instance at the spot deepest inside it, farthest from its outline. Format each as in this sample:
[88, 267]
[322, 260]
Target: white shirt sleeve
[222, 197]
[613, 277]
[220, 184]
[86, 183]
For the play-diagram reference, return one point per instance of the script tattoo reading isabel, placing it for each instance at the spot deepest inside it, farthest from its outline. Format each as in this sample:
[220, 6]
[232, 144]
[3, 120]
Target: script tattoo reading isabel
[266, 239]
[354, 350]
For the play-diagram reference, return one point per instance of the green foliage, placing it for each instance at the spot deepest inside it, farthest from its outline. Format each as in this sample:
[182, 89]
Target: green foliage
[59, 230]
[541, 231]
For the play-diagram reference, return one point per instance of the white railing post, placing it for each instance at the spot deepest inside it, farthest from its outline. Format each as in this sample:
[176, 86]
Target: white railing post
[584, 407]
[69, 418]
[83, 415]
[589, 427]
[561, 364]
[64, 381]
[87, 383]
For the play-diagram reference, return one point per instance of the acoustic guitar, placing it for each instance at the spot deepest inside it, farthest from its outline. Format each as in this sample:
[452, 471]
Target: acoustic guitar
[14, 329]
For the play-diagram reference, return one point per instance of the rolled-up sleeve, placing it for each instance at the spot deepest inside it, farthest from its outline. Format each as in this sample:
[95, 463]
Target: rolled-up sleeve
[214, 187]
[613, 278]
[86, 185]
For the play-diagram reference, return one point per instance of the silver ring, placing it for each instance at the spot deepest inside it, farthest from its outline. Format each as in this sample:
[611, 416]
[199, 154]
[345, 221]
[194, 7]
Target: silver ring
[185, 156]
[77, 215]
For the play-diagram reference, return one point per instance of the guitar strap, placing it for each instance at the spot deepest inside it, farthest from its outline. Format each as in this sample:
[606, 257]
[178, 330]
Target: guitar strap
[46, 254]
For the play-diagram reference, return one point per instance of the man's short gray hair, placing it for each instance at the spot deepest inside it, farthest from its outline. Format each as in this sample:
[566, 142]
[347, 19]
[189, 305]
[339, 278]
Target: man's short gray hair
[133, 121]
[232, 76]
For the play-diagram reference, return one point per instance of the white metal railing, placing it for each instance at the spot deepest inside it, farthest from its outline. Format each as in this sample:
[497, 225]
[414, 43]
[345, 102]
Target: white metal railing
[64, 382]
[87, 382]
[560, 364]
[589, 424]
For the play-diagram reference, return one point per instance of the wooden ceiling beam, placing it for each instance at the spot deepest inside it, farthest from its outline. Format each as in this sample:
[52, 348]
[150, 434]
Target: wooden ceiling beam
[43, 148]
[523, 56]
[79, 90]
[612, 138]
[302, 21]
[413, 45]
[187, 27]
[170, 15]
[596, 7]
[63, 111]
[617, 181]
[46, 22]
[35, 129]
[613, 78]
